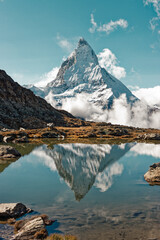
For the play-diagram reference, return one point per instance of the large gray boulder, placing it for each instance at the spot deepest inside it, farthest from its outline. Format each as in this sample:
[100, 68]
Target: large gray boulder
[8, 152]
[153, 174]
[12, 210]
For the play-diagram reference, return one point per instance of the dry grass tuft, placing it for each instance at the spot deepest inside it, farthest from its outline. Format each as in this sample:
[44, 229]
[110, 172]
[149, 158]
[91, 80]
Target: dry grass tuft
[61, 237]
[42, 234]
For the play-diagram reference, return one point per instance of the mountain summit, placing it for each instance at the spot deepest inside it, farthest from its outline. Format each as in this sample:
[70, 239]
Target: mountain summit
[80, 75]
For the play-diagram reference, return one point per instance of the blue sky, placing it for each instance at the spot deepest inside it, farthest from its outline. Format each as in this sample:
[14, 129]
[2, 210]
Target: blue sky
[35, 35]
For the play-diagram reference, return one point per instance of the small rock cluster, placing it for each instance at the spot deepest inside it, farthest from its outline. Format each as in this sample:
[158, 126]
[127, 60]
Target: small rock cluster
[149, 136]
[21, 137]
[29, 228]
[8, 152]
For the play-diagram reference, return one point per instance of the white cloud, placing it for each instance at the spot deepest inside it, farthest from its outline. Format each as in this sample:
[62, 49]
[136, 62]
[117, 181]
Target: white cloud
[150, 96]
[113, 25]
[94, 24]
[45, 156]
[108, 27]
[104, 180]
[66, 44]
[147, 149]
[108, 60]
[137, 115]
[154, 22]
[47, 77]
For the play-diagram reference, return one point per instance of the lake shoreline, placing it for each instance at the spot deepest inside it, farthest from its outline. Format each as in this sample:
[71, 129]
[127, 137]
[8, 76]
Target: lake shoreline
[102, 131]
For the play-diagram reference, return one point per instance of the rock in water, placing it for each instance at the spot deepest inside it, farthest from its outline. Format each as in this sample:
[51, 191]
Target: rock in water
[12, 210]
[31, 228]
[8, 152]
[153, 174]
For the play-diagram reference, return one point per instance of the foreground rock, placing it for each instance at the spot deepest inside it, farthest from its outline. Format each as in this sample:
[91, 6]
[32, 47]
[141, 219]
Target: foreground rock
[153, 174]
[8, 152]
[31, 229]
[12, 210]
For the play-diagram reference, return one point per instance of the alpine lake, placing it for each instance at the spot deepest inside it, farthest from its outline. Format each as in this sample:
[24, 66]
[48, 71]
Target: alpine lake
[92, 190]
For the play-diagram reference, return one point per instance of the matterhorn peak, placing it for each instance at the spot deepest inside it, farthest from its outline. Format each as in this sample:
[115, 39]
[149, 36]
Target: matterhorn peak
[82, 41]
[81, 75]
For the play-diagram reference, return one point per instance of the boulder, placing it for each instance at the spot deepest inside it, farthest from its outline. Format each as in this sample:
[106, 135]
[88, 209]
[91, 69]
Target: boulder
[8, 138]
[152, 136]
[49, 135]
[51, 126]
[149, 136]
[31, 229]
[153, 174]
[12, 210]
[23, 139]
[8, 152]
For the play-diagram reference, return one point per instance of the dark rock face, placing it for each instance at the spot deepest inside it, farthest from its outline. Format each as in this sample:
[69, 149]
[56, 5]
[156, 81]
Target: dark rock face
[1, 138]
[153, 174]
[8, 152]
[12, 210]
[21, 108]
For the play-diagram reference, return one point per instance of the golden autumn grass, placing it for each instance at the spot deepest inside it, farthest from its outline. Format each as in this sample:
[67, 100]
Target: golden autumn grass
[93, 131]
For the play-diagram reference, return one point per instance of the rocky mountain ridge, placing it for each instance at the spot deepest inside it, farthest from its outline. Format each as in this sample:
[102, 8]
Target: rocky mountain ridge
[21, 108]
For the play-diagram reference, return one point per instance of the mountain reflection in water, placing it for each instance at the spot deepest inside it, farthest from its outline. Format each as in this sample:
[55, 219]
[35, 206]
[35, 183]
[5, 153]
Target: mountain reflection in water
[85, 165]
[109, 178]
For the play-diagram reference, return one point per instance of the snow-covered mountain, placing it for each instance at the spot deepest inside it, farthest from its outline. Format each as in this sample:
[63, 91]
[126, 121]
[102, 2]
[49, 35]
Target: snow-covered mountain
[81, 76]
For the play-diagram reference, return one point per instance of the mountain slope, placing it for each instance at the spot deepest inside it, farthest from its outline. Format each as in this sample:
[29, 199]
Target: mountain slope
[82, 74]
[19, 107]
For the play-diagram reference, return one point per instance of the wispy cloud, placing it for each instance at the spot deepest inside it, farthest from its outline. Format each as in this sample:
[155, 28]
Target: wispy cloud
[154, 22]
[47, 77]
[94, 24]
[107, 27]
[108, 60]
[113, 25]
[67, 44]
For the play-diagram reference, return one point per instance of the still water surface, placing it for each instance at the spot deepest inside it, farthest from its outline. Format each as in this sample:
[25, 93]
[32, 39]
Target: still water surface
[95, 191]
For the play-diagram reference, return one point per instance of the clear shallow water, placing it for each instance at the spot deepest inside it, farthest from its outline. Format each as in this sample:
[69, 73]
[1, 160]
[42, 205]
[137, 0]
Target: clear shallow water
[95, 191]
